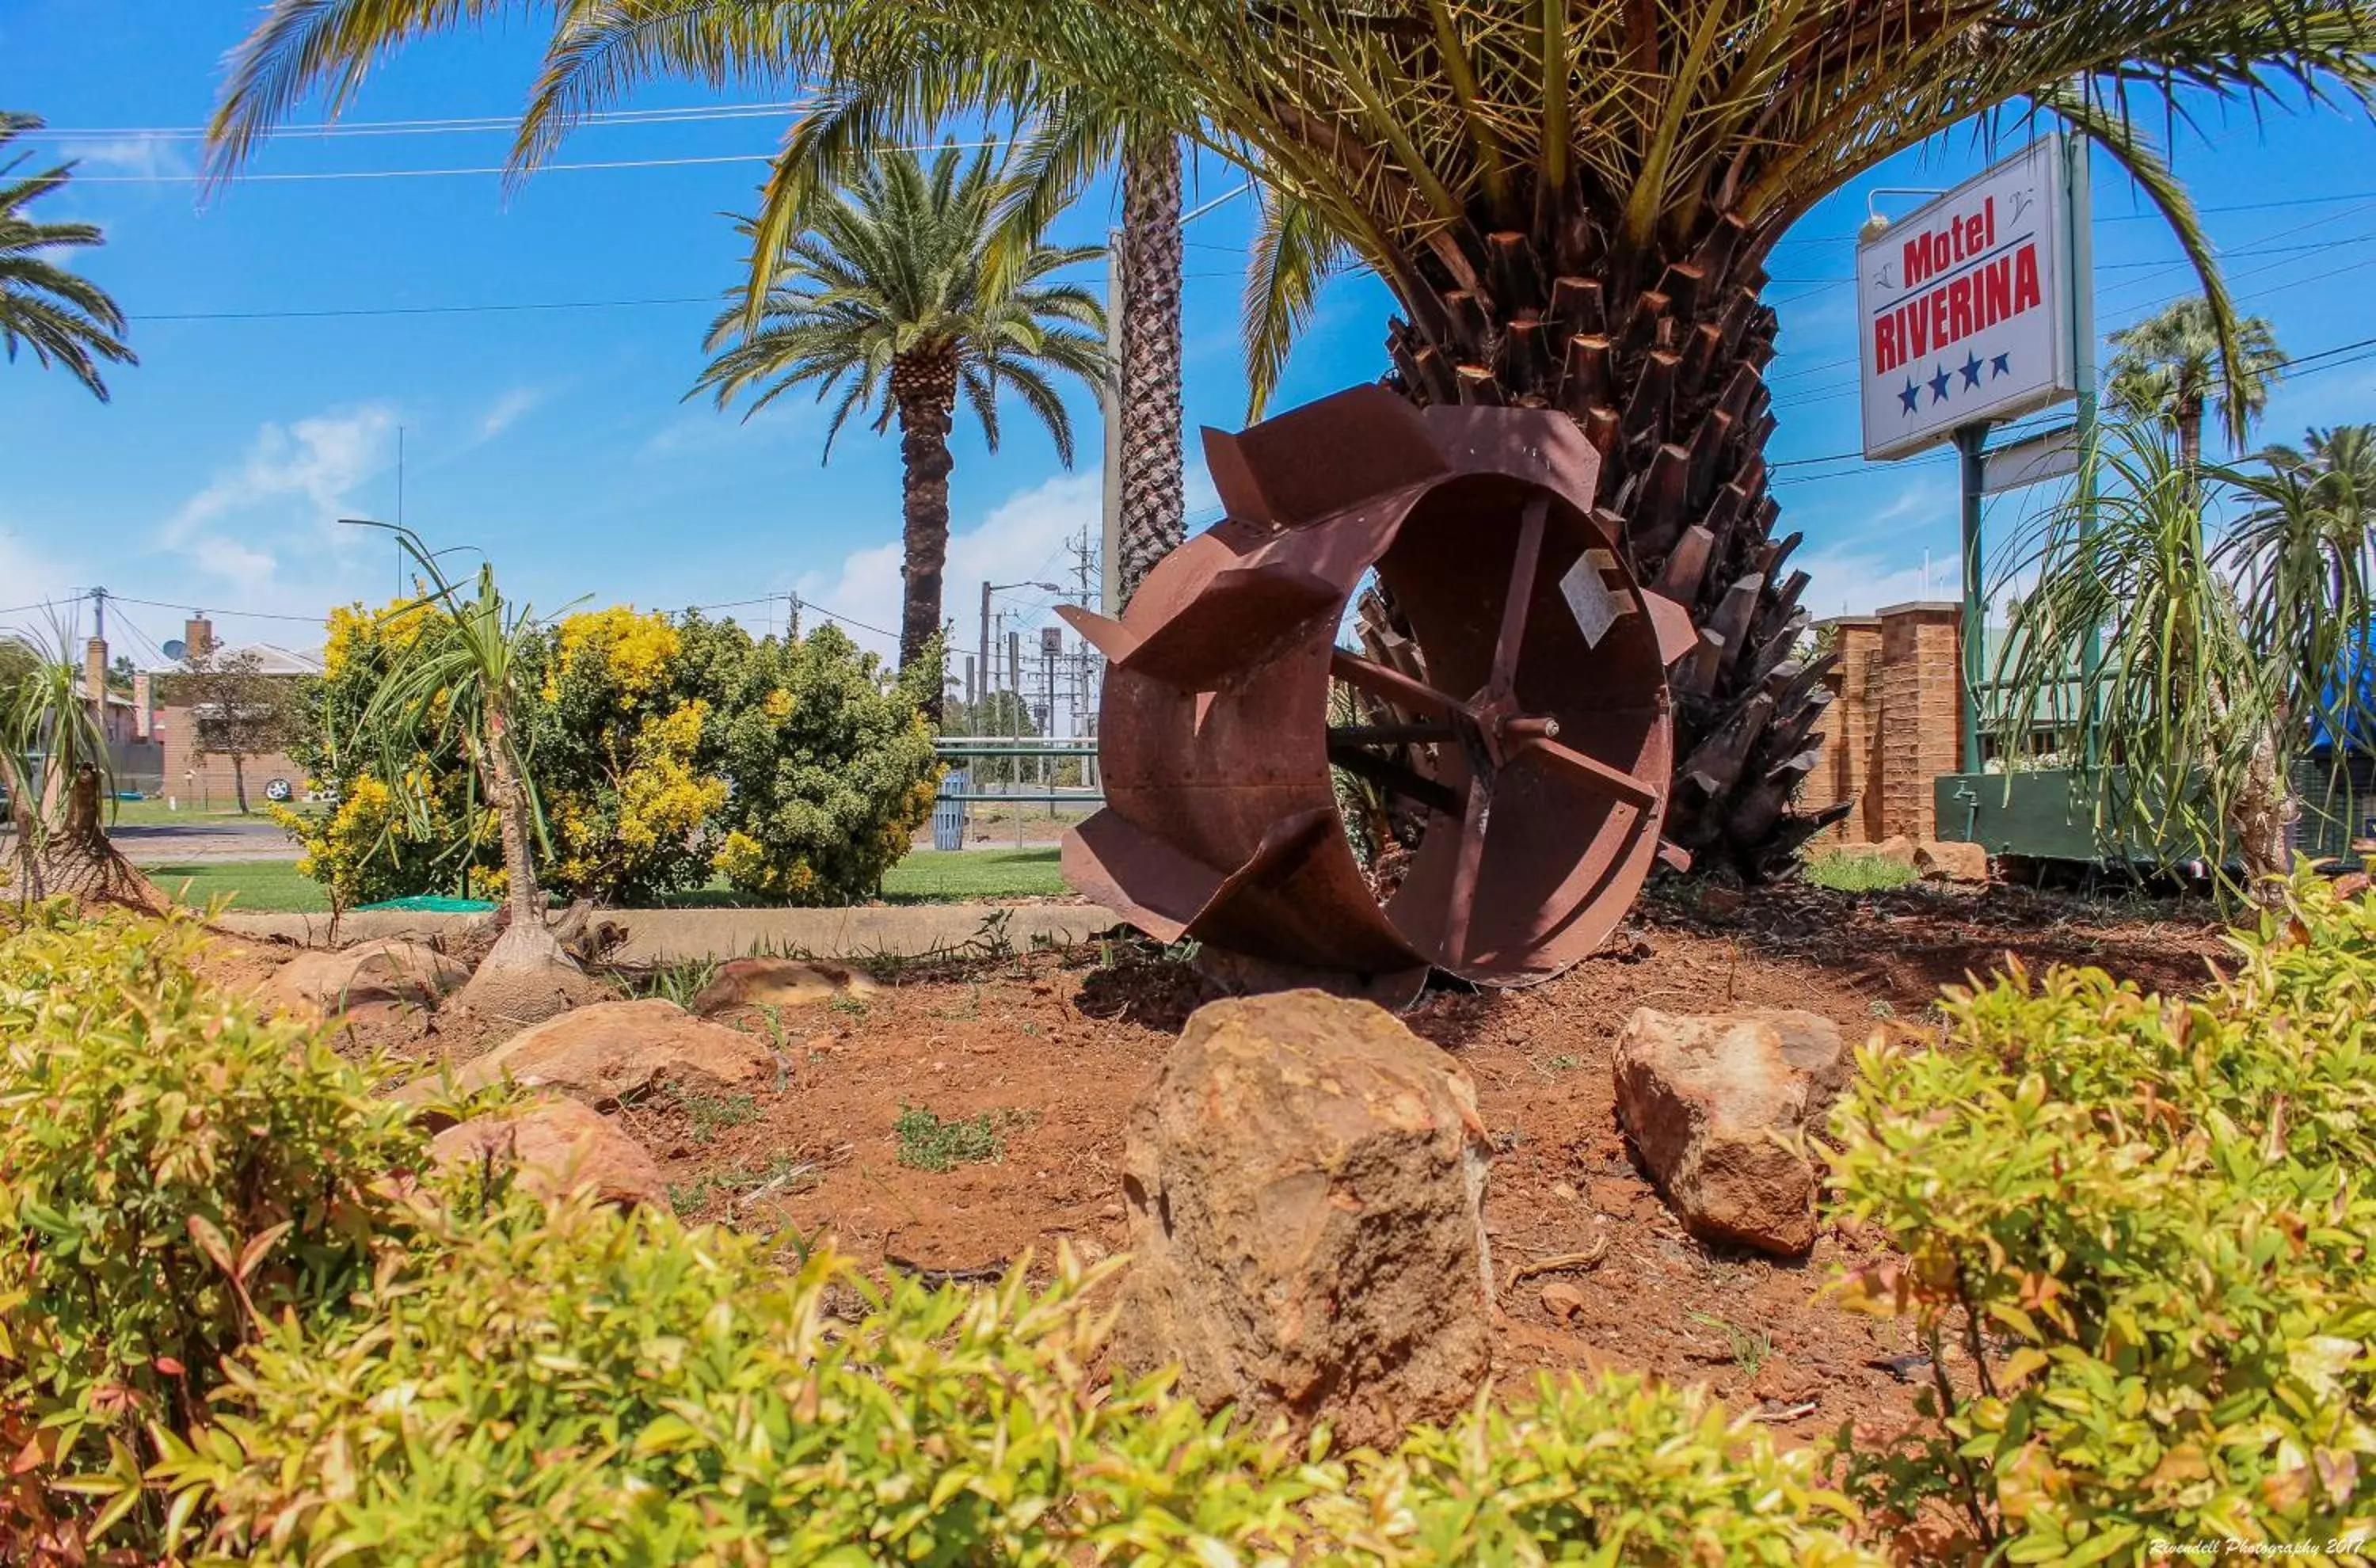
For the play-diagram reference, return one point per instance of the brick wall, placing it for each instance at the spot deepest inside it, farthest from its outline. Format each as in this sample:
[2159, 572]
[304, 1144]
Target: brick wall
[1894, 723]
[209, 784]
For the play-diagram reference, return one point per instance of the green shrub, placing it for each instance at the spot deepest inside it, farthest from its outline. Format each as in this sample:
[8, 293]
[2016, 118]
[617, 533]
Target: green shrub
[173, 1171]
[2145, 1224]
[579, 1386]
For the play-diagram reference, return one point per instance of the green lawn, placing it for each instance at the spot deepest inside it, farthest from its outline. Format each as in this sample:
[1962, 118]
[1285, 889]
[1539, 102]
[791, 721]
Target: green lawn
[262, 887]
[948, 876]
[926, 876]
[152, 814]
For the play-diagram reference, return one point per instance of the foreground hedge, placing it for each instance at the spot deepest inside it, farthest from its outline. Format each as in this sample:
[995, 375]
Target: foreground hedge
[173, 1172]
[580, 1386]
[234, 1327]
[2136, 1232]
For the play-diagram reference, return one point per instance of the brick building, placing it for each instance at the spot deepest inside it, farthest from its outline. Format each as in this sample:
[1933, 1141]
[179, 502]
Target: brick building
[1895, 720]
[207, 783]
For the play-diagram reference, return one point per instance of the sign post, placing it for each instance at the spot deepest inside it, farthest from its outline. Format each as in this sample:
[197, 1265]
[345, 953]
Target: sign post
[1972, 315]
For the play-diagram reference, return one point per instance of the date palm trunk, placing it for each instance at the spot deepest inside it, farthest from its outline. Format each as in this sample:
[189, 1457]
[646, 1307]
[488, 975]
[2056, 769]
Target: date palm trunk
[1659, 357]
[1153, 511]
[924, 388]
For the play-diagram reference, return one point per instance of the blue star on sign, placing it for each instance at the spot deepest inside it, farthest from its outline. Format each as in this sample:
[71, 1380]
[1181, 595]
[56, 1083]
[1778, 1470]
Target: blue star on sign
[2001, 365]
[1911, 396]
[1972, 370]
[1938, 385]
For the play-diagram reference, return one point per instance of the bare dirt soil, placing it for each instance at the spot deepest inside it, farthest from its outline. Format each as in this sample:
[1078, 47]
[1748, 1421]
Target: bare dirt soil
[1053, 1048]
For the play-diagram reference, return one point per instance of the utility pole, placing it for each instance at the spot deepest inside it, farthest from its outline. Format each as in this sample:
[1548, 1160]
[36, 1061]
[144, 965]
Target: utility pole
[793, 617]
[987, 678]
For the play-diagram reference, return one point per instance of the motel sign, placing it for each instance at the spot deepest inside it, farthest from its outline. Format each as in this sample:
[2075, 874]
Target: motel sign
[1967, 306]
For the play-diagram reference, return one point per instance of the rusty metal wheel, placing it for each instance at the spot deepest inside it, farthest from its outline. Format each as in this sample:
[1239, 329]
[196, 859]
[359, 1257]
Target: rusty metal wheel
[1524, 717]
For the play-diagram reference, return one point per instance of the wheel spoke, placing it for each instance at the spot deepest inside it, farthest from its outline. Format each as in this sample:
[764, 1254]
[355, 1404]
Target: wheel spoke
[1521, 596]
[1592, 770]
[1468, 861]
[1394, 687]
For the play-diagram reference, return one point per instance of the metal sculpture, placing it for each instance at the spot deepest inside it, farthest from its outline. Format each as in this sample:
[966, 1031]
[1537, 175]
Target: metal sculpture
[1519, 711]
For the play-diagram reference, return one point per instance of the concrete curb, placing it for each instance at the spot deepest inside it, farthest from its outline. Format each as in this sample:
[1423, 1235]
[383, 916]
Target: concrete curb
[656, 936]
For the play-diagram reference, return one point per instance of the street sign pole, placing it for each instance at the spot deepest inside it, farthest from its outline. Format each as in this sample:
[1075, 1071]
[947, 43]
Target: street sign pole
[1970, 442]
[2080, 245]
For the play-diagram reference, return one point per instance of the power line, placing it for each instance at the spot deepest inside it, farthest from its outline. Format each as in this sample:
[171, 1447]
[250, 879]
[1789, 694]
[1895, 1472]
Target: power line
[466, 124]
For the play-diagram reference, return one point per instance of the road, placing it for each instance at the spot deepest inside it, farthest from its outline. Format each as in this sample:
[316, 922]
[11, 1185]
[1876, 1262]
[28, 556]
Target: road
[203, 838]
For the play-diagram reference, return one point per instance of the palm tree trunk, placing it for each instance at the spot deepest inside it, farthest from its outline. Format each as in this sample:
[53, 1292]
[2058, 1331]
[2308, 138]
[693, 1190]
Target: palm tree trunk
[2190, 437]
[1660, 358]
[1153, 513]
[925, 415]
[516, 824]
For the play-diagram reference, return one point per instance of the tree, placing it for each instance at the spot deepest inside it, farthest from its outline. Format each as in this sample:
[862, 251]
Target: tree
[2219, 647]
[63, 317]
[464, 675]
[901, 298]
[55, 775]
[2177, 363]
[1573, 204]
[236, 710]
[2303, 557]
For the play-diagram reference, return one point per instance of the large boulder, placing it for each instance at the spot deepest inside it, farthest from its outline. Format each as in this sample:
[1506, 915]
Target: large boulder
[371, 979]
[1305, 1184]
[777, 982]
[613, 1050]
[1715, 1106]
[558, 1146]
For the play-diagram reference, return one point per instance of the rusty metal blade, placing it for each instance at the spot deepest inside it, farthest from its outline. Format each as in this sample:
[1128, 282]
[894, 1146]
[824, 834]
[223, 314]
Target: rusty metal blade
[1245, 616]
[1110, 637]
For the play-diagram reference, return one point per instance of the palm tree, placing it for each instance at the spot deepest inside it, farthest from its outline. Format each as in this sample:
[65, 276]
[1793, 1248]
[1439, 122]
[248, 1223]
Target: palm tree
[467, 676]
[2197, 711]
[2303, 555]
[65, 318]
[2177, 363]
[1572, 203]
[901, 297]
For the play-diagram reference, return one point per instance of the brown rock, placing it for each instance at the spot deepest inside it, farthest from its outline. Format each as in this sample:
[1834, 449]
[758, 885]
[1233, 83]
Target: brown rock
[558, 1146]
[777, 982]
[1721, 901]
[1562, 1299]
[598, 1054]
[371, 978]
[1815, 1049]
[1940, 860]
[1710, 1102]
[1897, 848]
[1306, 1184]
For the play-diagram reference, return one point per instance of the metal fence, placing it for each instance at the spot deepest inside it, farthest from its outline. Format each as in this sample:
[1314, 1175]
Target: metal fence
[1039, 785]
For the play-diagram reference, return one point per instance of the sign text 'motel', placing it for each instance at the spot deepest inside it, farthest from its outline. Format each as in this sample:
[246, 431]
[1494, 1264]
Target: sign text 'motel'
[1965, 306]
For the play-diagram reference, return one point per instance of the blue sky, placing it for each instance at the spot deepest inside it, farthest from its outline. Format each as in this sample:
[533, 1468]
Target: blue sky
[557, 439]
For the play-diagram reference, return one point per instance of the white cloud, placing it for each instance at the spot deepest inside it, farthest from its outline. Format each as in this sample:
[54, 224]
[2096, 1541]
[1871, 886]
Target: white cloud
[34, 582]
[284, 497]
[1022, 540]
[147, 157]
[508, 411]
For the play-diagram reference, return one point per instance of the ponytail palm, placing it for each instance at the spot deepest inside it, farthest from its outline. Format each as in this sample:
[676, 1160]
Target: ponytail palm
[907, 291]
[1573, 202]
